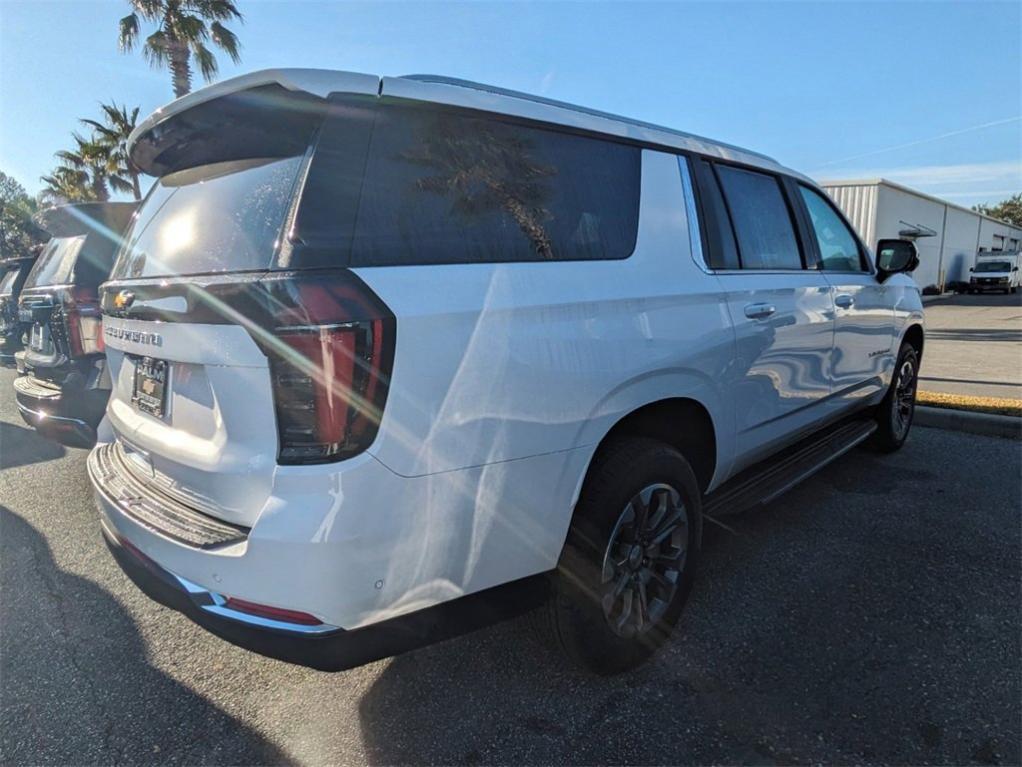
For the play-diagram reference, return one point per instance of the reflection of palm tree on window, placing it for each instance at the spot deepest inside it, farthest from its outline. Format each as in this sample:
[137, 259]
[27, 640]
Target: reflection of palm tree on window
[486, 167]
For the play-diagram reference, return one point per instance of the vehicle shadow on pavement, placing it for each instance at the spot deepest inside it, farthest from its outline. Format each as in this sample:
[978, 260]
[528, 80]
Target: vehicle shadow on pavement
[20, 446]
[834, 625]
[91, 697]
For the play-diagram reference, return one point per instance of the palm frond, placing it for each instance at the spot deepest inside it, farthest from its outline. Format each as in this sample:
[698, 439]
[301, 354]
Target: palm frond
[206, 61]
[119, 184]
[156, 49]
[225, 40]
[190, 29]
[218, 10]
[150, 9]
[128, 35]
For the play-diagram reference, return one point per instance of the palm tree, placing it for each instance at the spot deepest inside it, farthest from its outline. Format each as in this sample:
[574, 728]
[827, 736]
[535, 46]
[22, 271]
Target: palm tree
[182, 32]
[91, 158]
[65, 184]
[112, 137]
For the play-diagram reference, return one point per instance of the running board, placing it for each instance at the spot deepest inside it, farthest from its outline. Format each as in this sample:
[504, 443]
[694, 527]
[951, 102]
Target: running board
[769, 479]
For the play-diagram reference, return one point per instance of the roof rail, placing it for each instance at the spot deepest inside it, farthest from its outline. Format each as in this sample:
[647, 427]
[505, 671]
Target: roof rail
[441, 80]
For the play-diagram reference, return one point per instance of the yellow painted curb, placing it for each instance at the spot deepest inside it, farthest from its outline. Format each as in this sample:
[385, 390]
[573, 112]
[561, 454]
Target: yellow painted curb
[995, 405]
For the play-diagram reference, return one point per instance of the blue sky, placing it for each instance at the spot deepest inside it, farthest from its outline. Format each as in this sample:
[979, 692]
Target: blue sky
[929, 94]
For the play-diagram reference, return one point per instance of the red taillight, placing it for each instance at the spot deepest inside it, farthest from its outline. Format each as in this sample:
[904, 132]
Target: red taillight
[273, 613]
[331, 355]
[83, 322]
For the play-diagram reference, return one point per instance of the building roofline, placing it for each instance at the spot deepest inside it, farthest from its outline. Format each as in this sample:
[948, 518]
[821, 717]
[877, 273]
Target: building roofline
[909, 190]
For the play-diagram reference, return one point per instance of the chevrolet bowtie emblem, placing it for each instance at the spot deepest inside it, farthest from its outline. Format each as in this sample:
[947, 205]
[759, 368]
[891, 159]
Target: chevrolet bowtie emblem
[124, 299]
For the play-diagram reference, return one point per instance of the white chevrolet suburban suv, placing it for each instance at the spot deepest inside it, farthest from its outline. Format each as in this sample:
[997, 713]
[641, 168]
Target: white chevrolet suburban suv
[392, 357]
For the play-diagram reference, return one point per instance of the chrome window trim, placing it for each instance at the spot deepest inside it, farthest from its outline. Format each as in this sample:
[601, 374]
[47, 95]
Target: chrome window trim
[695, 235]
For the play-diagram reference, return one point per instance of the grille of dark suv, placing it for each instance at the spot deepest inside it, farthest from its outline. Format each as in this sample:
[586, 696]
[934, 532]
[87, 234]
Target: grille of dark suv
[155, 510]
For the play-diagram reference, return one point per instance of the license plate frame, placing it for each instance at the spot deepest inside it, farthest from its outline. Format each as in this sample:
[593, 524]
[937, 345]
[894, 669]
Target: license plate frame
[149, 391]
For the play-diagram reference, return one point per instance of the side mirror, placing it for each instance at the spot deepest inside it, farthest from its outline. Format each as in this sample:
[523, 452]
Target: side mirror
[1014, 268]
[896, 257]
[971, 269]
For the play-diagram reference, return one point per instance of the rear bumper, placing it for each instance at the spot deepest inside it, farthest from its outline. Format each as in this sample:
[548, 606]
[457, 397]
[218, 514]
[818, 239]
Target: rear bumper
[414, 559]
[322, 647]
[67, 416]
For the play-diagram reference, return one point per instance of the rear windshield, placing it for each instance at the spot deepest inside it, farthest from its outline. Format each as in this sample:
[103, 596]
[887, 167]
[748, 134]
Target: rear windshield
[993, 266]
[7, 282]
[55, 265]
[214, 218]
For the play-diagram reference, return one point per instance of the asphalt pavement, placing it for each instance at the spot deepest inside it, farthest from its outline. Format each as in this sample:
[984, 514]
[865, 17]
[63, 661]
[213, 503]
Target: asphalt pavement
[871, 615]
[974, 346]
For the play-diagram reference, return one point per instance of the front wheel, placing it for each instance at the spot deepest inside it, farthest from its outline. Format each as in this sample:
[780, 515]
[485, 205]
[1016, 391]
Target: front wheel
[894, 415]
[630, 556]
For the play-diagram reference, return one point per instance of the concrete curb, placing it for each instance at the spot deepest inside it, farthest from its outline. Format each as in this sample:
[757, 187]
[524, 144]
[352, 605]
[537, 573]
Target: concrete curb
[987, 424]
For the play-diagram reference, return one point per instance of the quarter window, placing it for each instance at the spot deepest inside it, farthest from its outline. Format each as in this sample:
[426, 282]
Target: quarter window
[762, 221]
[448, 187]
[723, 252]
[839, 250]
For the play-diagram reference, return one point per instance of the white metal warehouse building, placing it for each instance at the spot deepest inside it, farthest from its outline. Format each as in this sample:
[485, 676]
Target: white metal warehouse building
[948, 236]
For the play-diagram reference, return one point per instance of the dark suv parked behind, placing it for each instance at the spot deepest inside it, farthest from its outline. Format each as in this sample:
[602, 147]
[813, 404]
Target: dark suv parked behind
[65, 385]
[13, 273]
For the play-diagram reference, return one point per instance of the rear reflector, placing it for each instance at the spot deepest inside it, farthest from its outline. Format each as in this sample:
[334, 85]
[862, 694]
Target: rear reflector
[273, 613]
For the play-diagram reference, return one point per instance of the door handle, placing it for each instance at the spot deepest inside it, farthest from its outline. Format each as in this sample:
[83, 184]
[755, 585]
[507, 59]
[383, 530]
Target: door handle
[759, 311]
[844, 301]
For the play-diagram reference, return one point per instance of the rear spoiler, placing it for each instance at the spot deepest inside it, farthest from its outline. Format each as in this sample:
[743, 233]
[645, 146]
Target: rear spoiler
[86, 217]
[270, 113]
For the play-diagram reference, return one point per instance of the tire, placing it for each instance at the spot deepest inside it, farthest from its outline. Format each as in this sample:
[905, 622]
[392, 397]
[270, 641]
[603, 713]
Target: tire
[894, 415]
[608, 614]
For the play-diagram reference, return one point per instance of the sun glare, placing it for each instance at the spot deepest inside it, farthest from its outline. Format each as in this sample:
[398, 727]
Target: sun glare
[178, 233]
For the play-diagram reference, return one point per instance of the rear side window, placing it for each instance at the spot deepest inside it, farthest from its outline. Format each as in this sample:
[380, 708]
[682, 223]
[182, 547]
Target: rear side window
[213, 218]
[761, 219]
[839, 250]
[444, 187]
[56, 263]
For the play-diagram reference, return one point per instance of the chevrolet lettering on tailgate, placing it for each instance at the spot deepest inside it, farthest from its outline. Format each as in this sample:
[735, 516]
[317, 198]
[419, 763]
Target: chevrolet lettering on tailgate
[137, 336]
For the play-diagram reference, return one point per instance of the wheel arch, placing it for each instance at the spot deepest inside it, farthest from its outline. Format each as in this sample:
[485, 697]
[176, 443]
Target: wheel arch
[914, 336]
[684, 423]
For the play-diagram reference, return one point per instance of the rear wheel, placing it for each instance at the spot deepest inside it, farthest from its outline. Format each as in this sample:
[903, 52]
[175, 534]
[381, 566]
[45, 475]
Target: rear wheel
[894, 415]
[627, 565]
